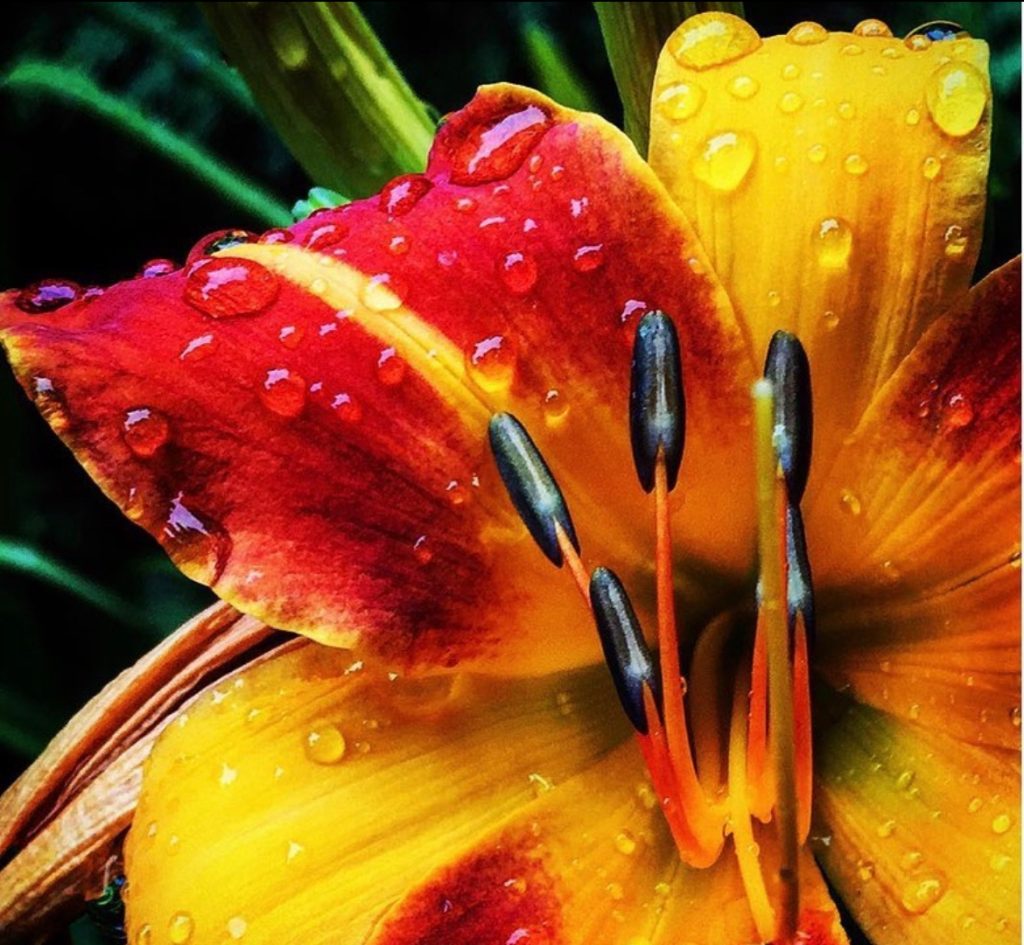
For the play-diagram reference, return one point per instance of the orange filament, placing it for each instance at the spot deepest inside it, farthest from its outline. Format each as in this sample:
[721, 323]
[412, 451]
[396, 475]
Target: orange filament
[572, 559]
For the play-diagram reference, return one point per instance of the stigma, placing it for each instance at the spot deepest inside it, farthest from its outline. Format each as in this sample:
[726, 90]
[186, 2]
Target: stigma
[714, 782]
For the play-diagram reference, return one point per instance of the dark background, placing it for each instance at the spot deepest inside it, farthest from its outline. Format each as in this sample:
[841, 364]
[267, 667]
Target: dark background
[78, 198]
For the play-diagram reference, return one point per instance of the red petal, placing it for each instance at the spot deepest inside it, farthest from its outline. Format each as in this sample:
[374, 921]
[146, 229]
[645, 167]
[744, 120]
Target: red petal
[305, 431]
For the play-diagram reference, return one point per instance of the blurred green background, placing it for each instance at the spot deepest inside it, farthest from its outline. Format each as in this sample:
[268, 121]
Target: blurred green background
[83, 592]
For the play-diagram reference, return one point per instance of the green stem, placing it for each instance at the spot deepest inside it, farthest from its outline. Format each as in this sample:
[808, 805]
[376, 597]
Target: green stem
[74, 88]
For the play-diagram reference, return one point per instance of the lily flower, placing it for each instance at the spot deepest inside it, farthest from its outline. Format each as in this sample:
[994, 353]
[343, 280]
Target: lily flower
[483, 442]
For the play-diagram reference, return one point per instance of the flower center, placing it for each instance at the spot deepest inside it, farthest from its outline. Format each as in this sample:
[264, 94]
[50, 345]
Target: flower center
[766, 744]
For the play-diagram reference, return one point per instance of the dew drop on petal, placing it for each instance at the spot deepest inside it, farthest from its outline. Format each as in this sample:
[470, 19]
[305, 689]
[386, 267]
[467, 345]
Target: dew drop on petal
[497, 147]
[790, 71]
[276, 235]
[157, 267]
[465, 204]
[743, 87]
[790, 102]
[955, 243]
[680, 100]
[382, 293]
[198, 545]
[831, 320]
[849, 503]
[852, 49]
[588, 258]
[872, 28]
[807, 34]
[390, 368]
[145, 430]
[886, 829]
[403, 193]
[855, 164]
[237, 927]
[847, 110]
[625, 843]
[725, 159]
[145, 935]
[833, 242]
[931, 167]
[913, 117]
[920, 895]
[956, 411]
[225, 287]
[421, 550]
[326, 236]
[283, 392]
[199, 348]
[179, 928]
[347, 408]
[956, 96]
[817, 153]
[711, 39]
[324, 744]
[518, 271]
[47, 295]
[492, 363]
[1002, 823]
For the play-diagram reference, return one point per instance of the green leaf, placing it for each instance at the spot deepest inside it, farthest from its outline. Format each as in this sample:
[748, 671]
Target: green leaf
[633, 36]
[329, 88]
[74, 88]
[554, 73]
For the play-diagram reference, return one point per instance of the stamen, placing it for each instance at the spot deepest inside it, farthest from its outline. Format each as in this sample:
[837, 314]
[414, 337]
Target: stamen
[625, 648]
[772, 546]
[531, 487]
[787, 368]
[657, 409]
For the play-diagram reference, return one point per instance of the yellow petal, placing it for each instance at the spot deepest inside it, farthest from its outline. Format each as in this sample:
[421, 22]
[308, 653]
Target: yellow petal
[923, 836]
[836, 181]
[315, 792]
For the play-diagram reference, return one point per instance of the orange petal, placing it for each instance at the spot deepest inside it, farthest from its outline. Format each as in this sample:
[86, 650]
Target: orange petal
[326, 802]
[923, 840]
[302, 421]
[837, 181]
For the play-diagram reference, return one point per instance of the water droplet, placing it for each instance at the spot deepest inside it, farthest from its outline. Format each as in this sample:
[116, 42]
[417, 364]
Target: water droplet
[179, 929]
[197, 544]
[1002, 823]
[955, 242]
[999, 862]
[807, 34]
[218, 241]
[957, 411]
[680, 101]
[382, 293]
[539, 784]
[773, 298]
[711, 39]
[145, 430]
[817, 153]
[625, 843]
[790, 103]
[236, 926]
[790, 71]
[905, 779]
[456, 492]
[492, 363]
[1015, 709]
[398, 245]
[919, 896]
[588, 258]
[847, 110]
[421, 549]
[324, 744]
[403, 193]
[833, 242]
[556, 408]
[931, 167]
[615, 891]
[886, 829]
[277, 235]
[855, 164]
[496, 148]
[852, 49]
[871, 28]
[47, 295]
[519, 272]
[225, 287]
[465, 204]
[911, 860]
[865, 871]
[849, 502]
[892, 52]
[390, 368]
[157, 267]
[744, 87]
[283, 392]
[325, 236]
[145, 935]
[956, 95]
[831, 320]
[725, 159]
[917, 42]
[914, 711]
[291, 336]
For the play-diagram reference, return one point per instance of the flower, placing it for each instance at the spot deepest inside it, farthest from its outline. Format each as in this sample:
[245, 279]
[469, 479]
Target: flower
[302, 420]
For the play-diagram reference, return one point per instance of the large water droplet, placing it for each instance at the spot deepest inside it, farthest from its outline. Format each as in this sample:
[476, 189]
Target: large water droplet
[518, 271]
[492, 363]
[217, 241]
[711, 39]
[403, 193]
[326, 236]
[725, 160]
[180, 927]
[680, 101]
[47, 295]
[807, 34]
[145, 431]
[496, 149]
[324, 744]
[833, 242]
[920, 895]
[872, 28]
[198, 545]
[283, 392]
[224, 287]
[956, 95]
